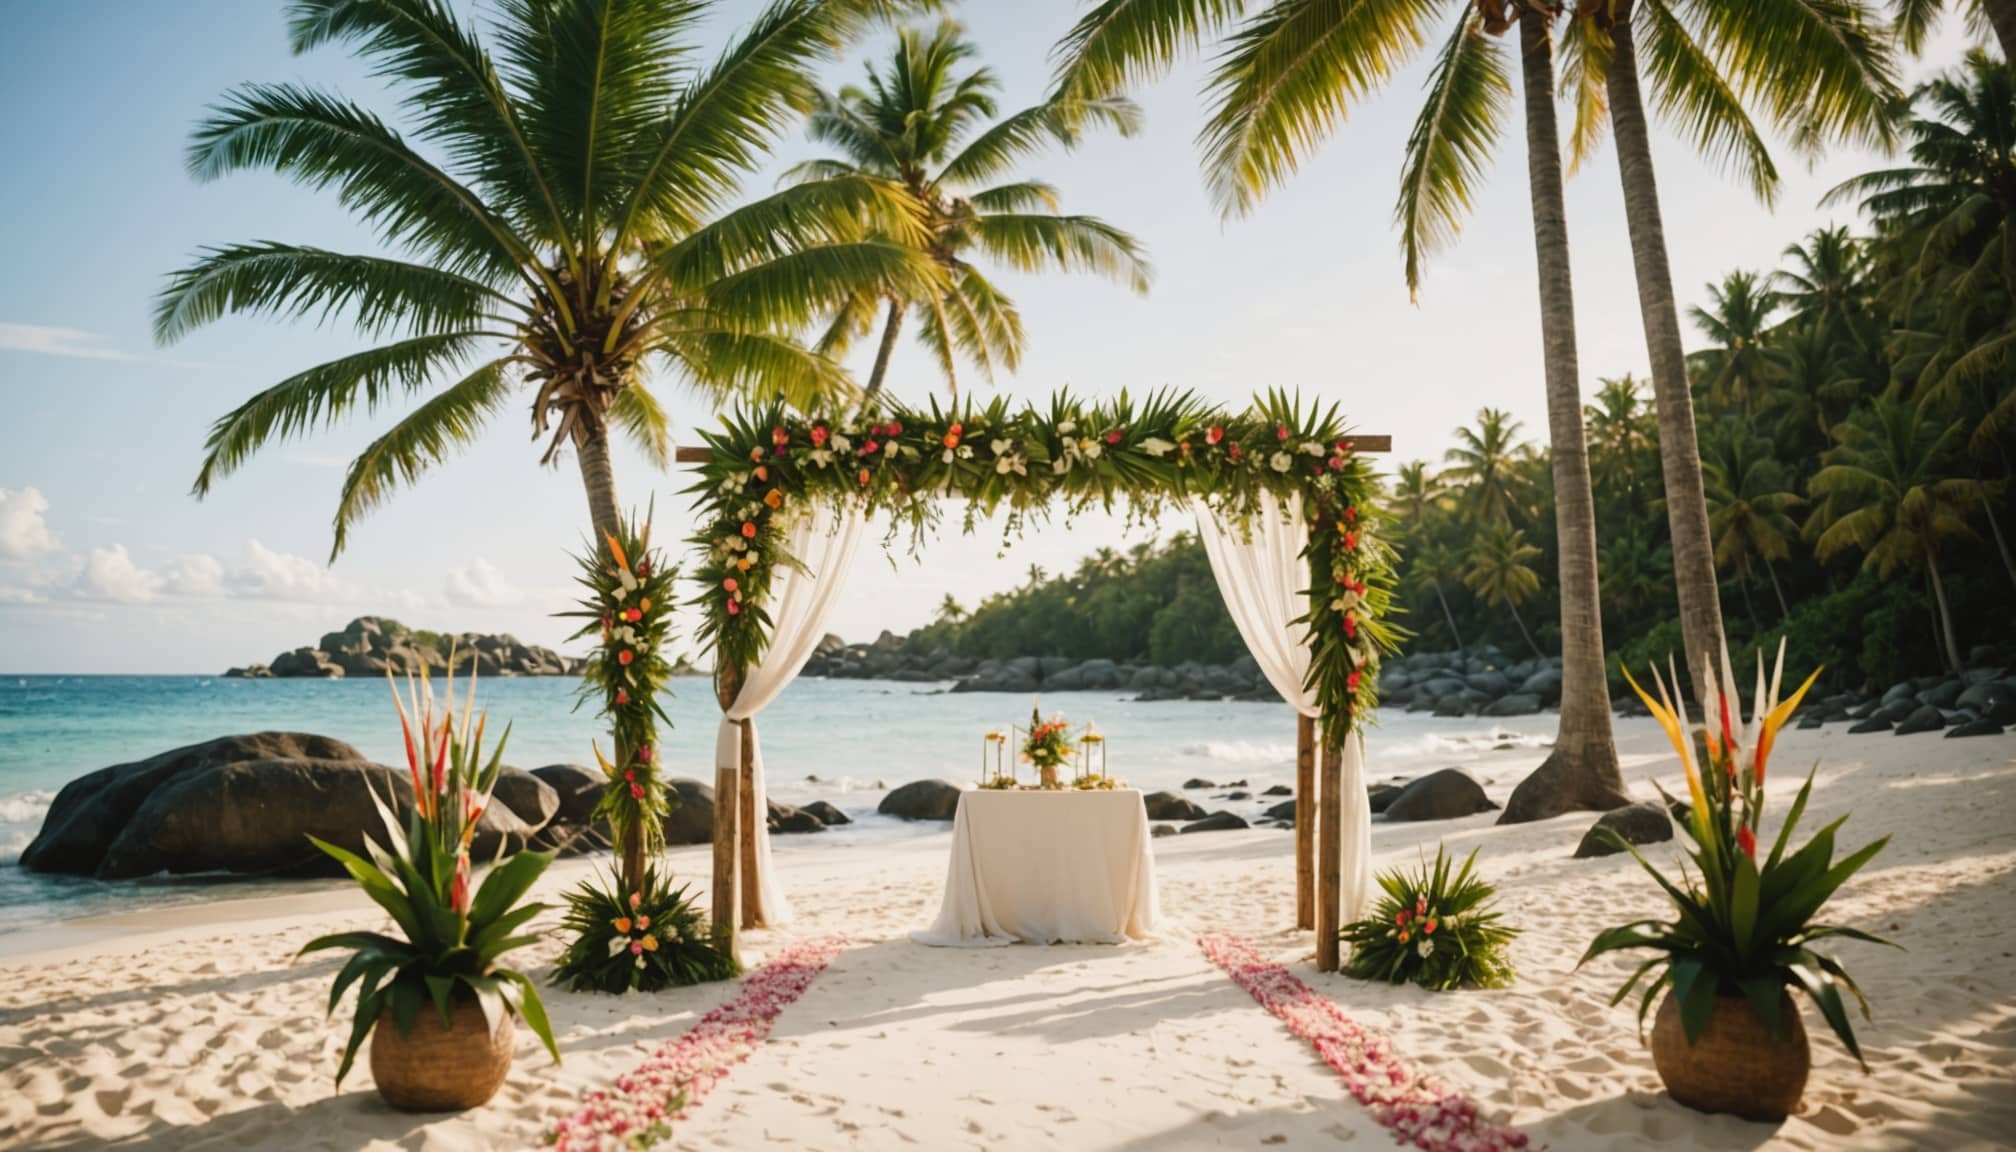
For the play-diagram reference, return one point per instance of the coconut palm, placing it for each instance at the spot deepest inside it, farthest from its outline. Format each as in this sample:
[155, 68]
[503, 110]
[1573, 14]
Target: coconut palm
[950, 611]
[1888, 491]
[1749, 509]
[560, 220]
[1501, 573]
[558, 223]
[1740, 365]
[1916, 17]
[922, 122]
[1826, 290]
[1636, 573]
[1820, 70]
[1483, 467]
[1289, 73]
[1620, 437]
[1953, 210]
[1432, 562]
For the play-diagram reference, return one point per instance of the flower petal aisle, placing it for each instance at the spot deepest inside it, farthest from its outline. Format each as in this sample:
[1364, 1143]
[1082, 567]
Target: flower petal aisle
[637, 1111]
[1417, 1108]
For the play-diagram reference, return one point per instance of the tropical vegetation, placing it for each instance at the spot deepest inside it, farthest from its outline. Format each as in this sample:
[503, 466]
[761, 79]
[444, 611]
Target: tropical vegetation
[1434, 926]
[453, 931]
[638, 935]
[922, 123]
[1742, 926]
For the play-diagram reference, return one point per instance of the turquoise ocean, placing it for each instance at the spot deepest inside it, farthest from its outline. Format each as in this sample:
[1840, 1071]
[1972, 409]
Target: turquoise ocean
[845, 741]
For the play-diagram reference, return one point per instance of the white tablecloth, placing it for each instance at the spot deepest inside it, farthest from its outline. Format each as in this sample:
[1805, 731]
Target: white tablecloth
[1047, 868]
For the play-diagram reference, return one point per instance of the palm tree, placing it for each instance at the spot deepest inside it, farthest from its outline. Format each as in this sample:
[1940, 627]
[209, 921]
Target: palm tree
[1741, 365]
[1287, 75]
[1953, 211]
[1501, 573]
[1482, 466]
[1636, 573]
[559, 222]
[922, 123]
[1431, 562]
[1749, 509]
[950, 611]
[1887, 492]
[1915, 19]
[1620, 436]
[1826, 292]
[1820, 70]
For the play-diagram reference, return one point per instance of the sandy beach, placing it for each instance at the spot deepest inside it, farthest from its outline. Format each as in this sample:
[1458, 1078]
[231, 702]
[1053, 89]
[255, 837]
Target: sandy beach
[194, 1028]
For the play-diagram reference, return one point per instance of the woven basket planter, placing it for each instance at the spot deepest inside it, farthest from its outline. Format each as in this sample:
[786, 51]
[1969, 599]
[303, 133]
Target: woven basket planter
[436, 1069]
[1735, 1066]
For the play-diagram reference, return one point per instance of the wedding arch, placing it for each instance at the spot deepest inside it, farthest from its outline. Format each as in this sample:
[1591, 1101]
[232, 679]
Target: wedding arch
[1285, 507]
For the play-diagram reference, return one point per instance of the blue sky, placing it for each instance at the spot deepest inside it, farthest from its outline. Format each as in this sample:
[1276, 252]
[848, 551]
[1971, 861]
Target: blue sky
[107, 564]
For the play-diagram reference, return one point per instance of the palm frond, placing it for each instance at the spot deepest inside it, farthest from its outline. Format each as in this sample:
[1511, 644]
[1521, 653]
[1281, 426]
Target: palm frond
[1021, 196]
[1033, 242]
[449, 420]
[725, 362]
[1822, 69]
[995, 152]
[319, 141]
[1691, 94]
[793, 290]
[1287, 77]
[1123, 43]
[1468, 91]
[1583, 54]
[638, 412]
[294, 280]
[323, 394]
[796, 217]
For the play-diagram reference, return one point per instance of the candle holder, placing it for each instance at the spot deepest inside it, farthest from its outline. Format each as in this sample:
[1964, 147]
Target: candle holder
[1088, 743]
[993, 757]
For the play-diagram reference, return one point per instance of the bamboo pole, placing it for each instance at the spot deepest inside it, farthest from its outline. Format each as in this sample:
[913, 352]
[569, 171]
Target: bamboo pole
[1330, 857]
[1305, 822]
[752, 895]
[726, 887]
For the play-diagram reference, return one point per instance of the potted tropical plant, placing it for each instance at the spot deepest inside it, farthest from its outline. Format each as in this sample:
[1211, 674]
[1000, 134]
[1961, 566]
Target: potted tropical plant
[1728, 1037]
[434, 1000]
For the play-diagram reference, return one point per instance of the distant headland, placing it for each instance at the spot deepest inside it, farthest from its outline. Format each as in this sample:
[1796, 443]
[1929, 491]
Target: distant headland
[369, 645]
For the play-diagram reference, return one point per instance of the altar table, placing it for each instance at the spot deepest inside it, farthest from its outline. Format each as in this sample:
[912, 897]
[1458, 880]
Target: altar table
[1047, 868]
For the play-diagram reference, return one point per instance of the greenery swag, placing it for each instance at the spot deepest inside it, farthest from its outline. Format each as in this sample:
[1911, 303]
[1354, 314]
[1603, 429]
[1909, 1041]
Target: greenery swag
[769, 464]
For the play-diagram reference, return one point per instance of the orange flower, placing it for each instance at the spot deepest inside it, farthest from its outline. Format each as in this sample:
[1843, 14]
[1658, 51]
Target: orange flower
[742, 564]
[864, 477]
[951, 439]
[622, 924]
[773, 498]
[1403, 935]
[762, 472]
[749, 529]
[625, 657]
[650, 943]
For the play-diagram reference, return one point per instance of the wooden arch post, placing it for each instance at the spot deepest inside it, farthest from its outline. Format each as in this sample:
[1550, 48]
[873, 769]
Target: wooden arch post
[728, 825]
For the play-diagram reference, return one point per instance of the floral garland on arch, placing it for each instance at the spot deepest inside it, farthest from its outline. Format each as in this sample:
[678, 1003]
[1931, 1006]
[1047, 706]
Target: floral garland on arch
[770, 464]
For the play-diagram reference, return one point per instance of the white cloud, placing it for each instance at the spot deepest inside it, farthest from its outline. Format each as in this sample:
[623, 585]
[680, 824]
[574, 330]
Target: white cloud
[74, 343]
[271, 575]
[198, 575]
[24, 534]
[19, 595]
[479, 584]
[110, 574]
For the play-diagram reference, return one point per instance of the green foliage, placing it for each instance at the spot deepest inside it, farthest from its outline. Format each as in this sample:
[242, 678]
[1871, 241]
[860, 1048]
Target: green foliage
[451, 935]
[562, 214]
[630, 593]
[655, 937]
[768, 466]
[1742, 926]
[1432, 928]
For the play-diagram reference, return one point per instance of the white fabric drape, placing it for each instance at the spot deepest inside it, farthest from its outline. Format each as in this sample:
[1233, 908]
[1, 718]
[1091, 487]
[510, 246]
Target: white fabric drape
[823, 542]
[1264, 582]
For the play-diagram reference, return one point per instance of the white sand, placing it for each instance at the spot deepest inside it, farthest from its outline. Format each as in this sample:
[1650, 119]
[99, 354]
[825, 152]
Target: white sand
[193, 1029]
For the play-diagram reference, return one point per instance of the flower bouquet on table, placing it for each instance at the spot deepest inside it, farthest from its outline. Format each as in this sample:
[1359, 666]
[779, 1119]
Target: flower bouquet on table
[1433, 929]
[1728, 1036]
[1047, 746]
[434, 999]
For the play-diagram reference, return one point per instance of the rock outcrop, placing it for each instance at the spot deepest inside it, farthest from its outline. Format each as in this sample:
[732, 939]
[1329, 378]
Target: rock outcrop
[1445, 795]
[369, 645]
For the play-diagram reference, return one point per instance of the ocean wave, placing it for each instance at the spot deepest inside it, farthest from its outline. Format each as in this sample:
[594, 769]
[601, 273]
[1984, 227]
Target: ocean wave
[1242, 751]
[1436, 745]
[21, 816]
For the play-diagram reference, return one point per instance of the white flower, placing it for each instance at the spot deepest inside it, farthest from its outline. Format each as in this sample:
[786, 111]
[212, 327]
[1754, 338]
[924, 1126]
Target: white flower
[821, 457]
[839, 443]
[891, 448]
[965, 451]
[738, 543]
[1281, 462]
[1015, 463]
[951, 454]
[1157, 447]
[1091, 448]
[1060, 465]
[1425, 948]
[1001, 447]
[1068, 427]
[1312, 448]
[624, 578]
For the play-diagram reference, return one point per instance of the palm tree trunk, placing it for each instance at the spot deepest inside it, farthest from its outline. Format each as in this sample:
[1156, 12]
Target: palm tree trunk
[887, 349]
[1521, 622]
[1679, 446]
[1581, 772]
[1784, 613]
[2002, 16]
[1945, 614]
[1995, 527]
[591, 446]
[1446, 614]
